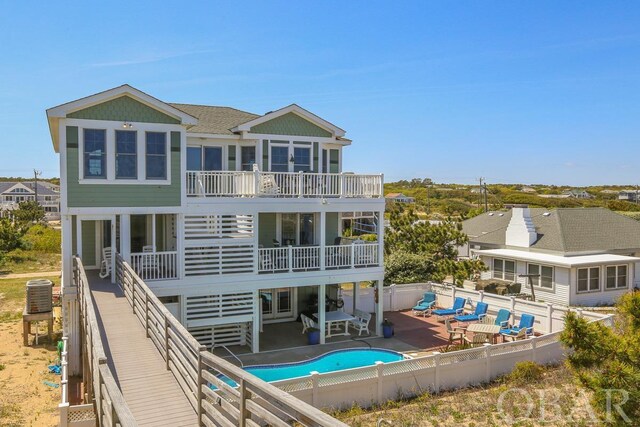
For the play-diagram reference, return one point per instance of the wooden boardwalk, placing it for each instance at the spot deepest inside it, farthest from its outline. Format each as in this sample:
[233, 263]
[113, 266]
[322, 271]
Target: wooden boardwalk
[151, 392]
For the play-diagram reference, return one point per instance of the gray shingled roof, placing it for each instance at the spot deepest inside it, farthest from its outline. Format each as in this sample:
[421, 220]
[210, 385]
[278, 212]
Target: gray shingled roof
[43, 190]
[218, 120]
[567, 230]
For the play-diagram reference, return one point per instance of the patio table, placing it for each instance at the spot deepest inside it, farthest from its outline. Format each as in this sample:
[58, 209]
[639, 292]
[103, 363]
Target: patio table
[332, 318]
[485, 328]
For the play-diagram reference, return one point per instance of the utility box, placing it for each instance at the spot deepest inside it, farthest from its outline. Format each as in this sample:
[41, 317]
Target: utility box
[39, 296]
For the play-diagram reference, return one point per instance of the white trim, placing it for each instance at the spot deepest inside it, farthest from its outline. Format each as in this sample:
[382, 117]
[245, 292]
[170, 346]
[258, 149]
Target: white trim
[293, 108]
[110, 129]
[62, 110]
[558, 260]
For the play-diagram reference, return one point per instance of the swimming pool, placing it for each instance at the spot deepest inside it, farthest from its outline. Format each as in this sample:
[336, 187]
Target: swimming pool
[337, 360]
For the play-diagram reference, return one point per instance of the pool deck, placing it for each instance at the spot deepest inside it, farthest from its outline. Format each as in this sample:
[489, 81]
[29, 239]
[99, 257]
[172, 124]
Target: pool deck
[285, 342]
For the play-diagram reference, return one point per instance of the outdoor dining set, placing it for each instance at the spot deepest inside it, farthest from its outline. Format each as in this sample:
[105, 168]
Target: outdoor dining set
[477, 327]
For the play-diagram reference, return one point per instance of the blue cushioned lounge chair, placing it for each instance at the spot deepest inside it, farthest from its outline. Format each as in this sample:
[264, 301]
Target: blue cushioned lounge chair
[523, 330]
[425, 305]
[502, 318]
[477, 315]
[458, 307]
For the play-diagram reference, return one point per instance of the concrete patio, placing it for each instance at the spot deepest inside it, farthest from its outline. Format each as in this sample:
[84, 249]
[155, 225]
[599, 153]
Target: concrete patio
[285, 342]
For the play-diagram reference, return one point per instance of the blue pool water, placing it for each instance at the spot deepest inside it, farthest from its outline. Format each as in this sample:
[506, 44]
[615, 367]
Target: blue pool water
[328, 362]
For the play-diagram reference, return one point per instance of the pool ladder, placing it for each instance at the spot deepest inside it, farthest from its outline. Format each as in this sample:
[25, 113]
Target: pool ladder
[232, 354]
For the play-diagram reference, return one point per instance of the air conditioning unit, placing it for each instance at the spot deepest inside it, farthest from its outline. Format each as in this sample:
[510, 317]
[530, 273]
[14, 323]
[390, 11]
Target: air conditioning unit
[39, 296]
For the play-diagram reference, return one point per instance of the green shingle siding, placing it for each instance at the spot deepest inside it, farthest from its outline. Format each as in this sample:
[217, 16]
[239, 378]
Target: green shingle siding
[120, 195]
[334, 161]
[123, 108]
[266, 229]
[265, 155]
[89, 242]
[331, 224]
[290, 124]
[232, 158]
[315, 157]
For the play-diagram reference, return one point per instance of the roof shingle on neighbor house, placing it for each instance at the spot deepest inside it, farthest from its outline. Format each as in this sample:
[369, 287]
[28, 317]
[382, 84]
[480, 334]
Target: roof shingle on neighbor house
[399, 197]
[563, 230]
[44, 188]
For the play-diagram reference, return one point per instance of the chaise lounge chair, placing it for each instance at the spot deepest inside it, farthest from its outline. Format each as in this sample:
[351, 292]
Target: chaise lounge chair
[458, 307]
[522, 331]
[477, 315]
[425, 305]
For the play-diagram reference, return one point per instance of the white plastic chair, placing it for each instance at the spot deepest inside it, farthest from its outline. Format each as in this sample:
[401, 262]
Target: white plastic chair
[307, 323]
[105, 264]
[361, 321]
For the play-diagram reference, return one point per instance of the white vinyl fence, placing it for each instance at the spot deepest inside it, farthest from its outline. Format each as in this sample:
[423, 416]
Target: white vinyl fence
[438, 371]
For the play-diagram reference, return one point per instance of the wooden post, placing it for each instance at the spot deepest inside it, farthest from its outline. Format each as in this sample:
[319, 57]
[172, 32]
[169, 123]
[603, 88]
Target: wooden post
[322, 292]
[290, 257]
[166, 342]
[352, 254]
[244, 395]
[549, 317]
[199, 382]
[487, 355]
[133, 296]
[300, 184]
[323, 239]
[146, 314]
[315, 376]
[436, 379]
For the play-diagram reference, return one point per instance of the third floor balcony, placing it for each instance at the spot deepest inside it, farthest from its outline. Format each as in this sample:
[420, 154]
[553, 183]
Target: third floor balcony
[205, 184]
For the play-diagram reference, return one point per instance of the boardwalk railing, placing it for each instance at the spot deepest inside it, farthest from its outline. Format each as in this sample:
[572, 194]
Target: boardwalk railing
[221, 393]
[283, 184]
[100, 386]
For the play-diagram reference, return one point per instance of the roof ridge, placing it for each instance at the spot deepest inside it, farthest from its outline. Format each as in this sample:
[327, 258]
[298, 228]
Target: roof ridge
[561, 232]
[213, 106]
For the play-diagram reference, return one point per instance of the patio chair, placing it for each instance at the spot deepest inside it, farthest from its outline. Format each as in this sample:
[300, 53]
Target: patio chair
[455, 333]
[522, 331]
[307, 323]
[477, 315]
[105, 264]
[425, 305]
[502, 318]
[268, 184]
[477, 339]
[457, 308]
[361, 321]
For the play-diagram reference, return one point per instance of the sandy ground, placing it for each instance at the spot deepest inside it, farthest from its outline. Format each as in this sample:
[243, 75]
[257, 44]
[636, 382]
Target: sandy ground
[24, 399]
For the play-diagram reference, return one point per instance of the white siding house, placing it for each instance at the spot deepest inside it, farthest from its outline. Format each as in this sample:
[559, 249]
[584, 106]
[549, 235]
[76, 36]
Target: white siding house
[581, 257]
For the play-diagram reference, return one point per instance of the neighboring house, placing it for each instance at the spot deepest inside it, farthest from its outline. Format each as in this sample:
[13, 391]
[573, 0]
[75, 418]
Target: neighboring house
[629, 195]
[577, 193]
[583, 256]
[13, 193]
[399, 198]
[554, 196]
[526, 189]
[233, 219]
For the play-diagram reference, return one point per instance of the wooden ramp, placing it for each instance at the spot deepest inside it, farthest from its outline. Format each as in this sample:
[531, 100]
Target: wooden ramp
[151, 392]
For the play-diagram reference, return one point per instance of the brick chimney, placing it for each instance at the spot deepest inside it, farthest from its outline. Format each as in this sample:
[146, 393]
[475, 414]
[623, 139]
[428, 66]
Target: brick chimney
[520, 231]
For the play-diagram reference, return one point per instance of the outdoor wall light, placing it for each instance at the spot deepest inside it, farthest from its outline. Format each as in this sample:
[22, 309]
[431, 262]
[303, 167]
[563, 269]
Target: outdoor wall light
[127, 125]
[291, 159]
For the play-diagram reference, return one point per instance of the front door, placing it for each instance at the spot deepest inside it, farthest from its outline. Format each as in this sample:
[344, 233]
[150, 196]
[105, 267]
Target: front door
[277, 304]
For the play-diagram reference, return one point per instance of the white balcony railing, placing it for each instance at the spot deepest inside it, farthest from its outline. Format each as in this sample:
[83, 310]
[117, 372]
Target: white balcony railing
[282, 184]
[155, 265]
[307, 258]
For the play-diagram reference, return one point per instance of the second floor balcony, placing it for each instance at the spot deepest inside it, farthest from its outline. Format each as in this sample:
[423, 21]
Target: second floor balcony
[204, 184]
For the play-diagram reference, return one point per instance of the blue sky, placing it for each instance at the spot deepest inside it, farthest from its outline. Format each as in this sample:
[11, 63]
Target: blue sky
[532, 92]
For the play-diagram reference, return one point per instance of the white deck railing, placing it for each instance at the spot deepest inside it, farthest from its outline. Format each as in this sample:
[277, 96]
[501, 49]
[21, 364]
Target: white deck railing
[155, 265]
[306, 258]
[282, 184]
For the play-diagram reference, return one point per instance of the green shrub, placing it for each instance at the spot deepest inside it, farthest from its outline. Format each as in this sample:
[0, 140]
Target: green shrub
[368, 237]
[405, 267]
[41, 238]
[525, 373]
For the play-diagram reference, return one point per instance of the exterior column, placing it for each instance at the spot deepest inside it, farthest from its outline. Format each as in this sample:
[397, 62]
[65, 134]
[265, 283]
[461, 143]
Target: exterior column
[356, 292]
[79, 236]
[70, 313]
[323, 238]
[322, 290]
[379, 307]
[381, 238]
[256, 324]
[114, 249]
[180, 244]
[125, 237]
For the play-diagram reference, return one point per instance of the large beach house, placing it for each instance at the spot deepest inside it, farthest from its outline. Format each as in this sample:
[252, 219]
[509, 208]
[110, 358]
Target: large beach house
[233, 219]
